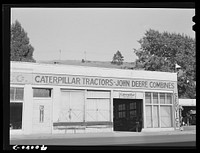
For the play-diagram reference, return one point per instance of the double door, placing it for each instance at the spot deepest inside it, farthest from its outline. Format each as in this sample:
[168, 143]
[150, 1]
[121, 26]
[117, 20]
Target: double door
[127, 114]
[72, 106]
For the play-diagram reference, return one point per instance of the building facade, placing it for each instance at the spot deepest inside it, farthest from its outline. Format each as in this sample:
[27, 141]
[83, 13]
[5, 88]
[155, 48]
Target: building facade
[188, 111]
[54, 98]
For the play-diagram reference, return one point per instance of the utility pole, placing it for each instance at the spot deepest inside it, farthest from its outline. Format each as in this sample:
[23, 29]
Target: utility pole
[85, 55]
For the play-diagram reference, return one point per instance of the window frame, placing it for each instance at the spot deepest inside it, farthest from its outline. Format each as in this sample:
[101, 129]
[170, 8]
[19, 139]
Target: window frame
[18, 101]
[152, 104]
[42, 97]
[121, 110]
[14, 97]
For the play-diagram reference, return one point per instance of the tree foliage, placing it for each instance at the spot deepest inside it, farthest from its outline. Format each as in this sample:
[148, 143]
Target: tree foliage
[118, 58]
[21, 50]
[162, 51]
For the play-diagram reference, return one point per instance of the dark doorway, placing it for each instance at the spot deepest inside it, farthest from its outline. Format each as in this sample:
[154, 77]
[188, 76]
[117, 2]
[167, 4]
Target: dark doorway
[189, 115]
[15, 115]
[127, 115]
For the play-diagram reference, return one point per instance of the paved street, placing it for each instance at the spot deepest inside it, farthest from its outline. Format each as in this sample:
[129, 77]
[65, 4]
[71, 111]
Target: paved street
[170, 138]
[186, 140]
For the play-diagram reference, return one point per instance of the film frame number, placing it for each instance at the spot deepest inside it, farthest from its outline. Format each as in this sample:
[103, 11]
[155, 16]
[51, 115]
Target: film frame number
[29, 147]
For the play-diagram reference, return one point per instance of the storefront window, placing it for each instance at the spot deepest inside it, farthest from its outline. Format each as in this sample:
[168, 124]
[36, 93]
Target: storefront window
[162, 98]
[19, 94]
[147, 97]
[39, 92]
[158, 113]
[155, 116]
[16, 94]
[166, 113]
[169, 99]
[12, 93]
[155, 98]
[16, 107]
[149, 116]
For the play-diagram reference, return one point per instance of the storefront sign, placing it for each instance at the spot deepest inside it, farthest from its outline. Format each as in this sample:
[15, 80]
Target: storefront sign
[127, 95]
[100, 82]
[88, 81]
[176, 107]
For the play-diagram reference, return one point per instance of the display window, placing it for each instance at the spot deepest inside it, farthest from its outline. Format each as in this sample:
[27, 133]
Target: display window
[16, 107]
[159, 112]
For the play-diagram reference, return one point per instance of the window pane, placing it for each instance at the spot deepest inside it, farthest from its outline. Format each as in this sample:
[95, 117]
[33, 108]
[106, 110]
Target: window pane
[11, 93]
[123, 114]
[155, 98]
[149, 116]
[119, 107]
[155, 116]
[166, 116]
[123, 107]
[41, 92]
[162, 98]
[132, 105]
[19, 94]
[169, 99]
[147, 97]
[120, 115]
[132, 114]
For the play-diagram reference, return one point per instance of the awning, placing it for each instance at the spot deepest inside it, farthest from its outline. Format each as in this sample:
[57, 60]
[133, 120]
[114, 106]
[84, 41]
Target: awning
[187, 102]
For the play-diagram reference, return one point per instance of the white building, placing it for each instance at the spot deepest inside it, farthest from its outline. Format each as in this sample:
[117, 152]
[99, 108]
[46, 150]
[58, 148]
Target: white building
[54, 98]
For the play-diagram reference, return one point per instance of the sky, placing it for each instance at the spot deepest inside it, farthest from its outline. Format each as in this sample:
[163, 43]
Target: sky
[96, 34]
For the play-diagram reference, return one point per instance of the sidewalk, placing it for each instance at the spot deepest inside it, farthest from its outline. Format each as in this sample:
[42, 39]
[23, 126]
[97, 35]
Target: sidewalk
[104, 134]
[189, 128]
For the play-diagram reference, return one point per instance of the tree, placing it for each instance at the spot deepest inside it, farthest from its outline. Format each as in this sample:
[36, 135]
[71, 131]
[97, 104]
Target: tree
[162, 51]
[118, 58]
[21, 50]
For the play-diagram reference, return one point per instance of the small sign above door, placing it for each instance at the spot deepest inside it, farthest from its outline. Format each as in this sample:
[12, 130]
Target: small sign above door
[125, 95]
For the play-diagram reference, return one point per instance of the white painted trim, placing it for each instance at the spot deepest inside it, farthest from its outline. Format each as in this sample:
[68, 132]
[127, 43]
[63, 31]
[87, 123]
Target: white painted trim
[18, 101]
[111, 106]
[17, 85]
[152, 111]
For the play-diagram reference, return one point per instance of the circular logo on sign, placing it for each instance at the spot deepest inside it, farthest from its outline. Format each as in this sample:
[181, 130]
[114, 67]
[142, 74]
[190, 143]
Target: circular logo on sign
[20, 78]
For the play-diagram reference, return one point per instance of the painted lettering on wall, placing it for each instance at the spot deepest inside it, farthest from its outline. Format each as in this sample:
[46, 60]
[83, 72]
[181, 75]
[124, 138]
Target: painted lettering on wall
[88, 81]
[176, 107]
[100, 82]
